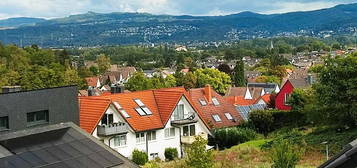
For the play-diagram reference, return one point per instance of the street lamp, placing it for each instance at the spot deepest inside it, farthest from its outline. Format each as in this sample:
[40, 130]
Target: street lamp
[326, 143]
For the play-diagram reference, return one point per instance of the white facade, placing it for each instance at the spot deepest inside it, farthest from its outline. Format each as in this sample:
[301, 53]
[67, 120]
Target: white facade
[156, 147]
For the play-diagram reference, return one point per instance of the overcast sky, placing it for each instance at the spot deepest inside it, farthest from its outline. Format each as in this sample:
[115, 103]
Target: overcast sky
[62, 8]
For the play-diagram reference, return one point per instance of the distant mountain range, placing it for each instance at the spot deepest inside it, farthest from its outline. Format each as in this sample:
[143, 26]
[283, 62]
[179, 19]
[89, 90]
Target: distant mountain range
[92, 29]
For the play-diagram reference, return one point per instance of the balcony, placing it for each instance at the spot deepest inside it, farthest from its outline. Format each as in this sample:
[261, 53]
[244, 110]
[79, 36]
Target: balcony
[187, 119]
[191, 139]
[112, 129]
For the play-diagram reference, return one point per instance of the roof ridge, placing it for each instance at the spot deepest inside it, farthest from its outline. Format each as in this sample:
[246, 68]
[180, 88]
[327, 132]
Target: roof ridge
[158, 109]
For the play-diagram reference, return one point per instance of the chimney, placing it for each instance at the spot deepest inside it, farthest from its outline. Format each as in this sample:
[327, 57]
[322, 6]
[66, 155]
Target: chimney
[10, 89]
[90, 91]
[208, 93]
[117, 89]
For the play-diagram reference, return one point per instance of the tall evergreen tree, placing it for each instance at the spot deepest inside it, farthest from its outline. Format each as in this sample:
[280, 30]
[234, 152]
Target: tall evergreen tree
[238, 74]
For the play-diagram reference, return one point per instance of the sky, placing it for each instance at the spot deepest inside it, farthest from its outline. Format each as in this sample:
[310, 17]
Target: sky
[63, 8]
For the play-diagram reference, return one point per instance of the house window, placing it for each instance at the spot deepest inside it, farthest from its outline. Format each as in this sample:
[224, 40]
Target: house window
[107, 119]
[4, 123]
[120, 140]
[151, 135]
[189, 130]
[203, 102]
[140, 137]
[229, 116]
[216, 118]
[169, 132]
[286, 98]
[142, 109]
[179, 112]
[38, 117]
[154, 155]
[215, 101]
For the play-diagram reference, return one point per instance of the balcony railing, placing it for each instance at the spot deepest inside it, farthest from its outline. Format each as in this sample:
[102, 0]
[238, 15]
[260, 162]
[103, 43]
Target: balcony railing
[191, 139]
[112, 129]
[188, 119]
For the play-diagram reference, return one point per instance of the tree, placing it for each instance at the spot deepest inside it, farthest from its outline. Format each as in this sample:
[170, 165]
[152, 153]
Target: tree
[189, 81]
[285, 155]
[197, 156]
[219, 81]
[103, 63]
[225, 68]
[138, 82]
[94, 70]
[336, 91]
[238, 74]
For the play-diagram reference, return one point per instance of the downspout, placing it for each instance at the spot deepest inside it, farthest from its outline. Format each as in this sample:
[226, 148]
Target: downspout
[181, 150]
[147, 145]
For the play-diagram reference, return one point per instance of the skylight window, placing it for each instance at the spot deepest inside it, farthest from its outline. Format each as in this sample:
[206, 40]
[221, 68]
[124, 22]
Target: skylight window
[215, 101]
[146, 110]
[203, 102]
[216, 118]
[124, 113]
[229, 116]
[139, 102]
[117, 105]
[140, 111]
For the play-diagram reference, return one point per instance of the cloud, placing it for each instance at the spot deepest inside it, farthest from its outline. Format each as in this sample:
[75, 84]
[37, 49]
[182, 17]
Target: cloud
[61, 8]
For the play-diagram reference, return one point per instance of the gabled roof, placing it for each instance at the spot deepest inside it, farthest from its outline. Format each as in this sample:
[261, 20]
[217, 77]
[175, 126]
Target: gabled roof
[60, 145]
[161, 103]
[299, 83]
[91, 111]
[265, 98]
[239, 100]
[236, 91]
[92, 81]
[210, 109]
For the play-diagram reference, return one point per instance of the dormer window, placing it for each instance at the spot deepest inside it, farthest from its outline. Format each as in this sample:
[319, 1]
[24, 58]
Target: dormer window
[215, 101]
[142, 109]
[216, 118]
[203, 102]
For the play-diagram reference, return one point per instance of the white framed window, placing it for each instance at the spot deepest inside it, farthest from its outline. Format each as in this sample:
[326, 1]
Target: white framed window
[151, 135]
[203, 102]
[119, 140]
[140, 137]
[286, 99]
[146, 110]
[215, 101]
[117, 105]
[216, 118]
[140, 111]
[139, 102]
[189, 130]
[179, 112]
[169, 132]
[229, 116]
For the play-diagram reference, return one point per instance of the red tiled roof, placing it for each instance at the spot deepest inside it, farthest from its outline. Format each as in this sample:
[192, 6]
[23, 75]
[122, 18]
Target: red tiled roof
[210, 109]
[265, 98]
[92, 81]
[91, 111]
[239, 100]
[161, 103]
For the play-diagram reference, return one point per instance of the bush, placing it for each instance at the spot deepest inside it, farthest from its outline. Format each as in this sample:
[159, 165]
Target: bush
[262, 120]
[228, 137]
[197, 156]
[285, 155]
[139, 157]
[171, 153]
[294, 137]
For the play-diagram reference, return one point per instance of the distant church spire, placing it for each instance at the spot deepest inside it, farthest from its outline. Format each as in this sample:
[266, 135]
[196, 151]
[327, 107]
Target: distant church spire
[271, 45]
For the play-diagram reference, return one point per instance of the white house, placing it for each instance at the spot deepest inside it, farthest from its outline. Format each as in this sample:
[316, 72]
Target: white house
[150, 121]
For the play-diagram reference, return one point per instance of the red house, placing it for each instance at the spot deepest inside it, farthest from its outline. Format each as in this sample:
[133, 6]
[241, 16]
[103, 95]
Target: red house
[281, 100]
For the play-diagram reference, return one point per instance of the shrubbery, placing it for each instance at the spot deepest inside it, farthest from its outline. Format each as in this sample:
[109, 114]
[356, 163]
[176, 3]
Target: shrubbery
[262, 120]
[139, 157]
[171, 153]
[228, 137]
[285, 155]
[197, 156]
